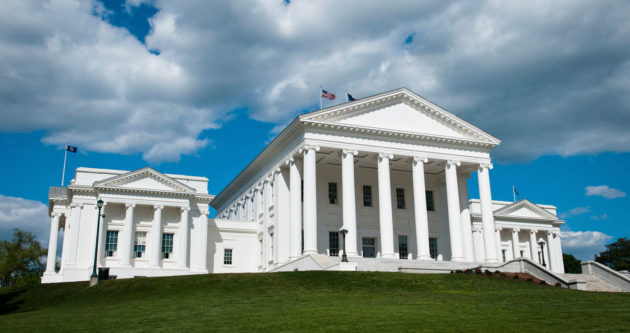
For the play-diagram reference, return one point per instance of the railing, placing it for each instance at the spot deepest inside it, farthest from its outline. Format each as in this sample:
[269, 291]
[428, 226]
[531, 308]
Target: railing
[605, 273]
[524, 265]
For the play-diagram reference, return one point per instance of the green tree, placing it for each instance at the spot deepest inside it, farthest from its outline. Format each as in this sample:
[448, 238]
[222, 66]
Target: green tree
[617, 255]
[571, 264]
[21, 259]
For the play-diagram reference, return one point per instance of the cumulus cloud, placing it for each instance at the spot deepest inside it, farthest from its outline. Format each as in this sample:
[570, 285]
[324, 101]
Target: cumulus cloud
[584, 245]
[575, 211]
[28, 215]
[604, 191]
[599, 217]
[545, 77]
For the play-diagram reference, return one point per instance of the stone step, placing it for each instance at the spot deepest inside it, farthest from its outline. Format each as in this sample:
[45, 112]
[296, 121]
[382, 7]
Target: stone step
[593, 282]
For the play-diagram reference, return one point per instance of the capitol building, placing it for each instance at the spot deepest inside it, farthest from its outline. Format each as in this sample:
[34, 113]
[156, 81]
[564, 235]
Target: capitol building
[391, 171]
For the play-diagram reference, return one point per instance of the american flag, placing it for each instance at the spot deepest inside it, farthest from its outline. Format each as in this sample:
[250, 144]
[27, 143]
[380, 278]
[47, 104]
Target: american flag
[328, 95]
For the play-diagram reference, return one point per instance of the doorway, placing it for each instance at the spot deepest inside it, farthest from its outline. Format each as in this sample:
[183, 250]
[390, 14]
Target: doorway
[369, 247]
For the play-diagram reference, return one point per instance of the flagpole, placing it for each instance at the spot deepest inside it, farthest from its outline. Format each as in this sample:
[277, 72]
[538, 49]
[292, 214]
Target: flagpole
[514, 192]
[321, 106]
[63, 173]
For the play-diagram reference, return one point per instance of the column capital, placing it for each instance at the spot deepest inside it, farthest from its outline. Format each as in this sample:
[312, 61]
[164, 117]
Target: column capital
[533, 231]
[549, 232]
[130, 204]
[453, 163]
[185, 208]
[515, 230]
[418, 159]
[307, 147]
[477, 228]
[55, 214]
[289, 161]
[498, 228]
[346, 151]
[385, 156]
[77, 205]
[488, 166]
[158, 207]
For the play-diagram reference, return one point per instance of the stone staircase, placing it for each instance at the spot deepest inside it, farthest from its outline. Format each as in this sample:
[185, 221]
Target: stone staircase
[593, 282]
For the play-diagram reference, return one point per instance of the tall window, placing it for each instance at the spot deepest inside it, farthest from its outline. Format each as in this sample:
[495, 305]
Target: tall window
[400, 198]
[302, 190]
[430, 205]
[227, 256]
[111, 243]
[271, 256]
[167, 245]
[333, 243]
[433, 249]
[367, 196]
[332, 193]
[368, 247]
[503, 254]
[403, 248]
[139, 246]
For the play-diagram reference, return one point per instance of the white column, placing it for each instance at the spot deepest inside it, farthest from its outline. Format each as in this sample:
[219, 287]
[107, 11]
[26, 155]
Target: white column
[295, 184]
[52, 243]
[558, 245]
[499, 251]
[75, 225]
[126, 242]
[101, 238]
[349, 201]
[533, 246]
[551, 260]
[516, 249]
[480, 256]
[283, 212]
[385, 206]
[454, 222]
[183, 238]
[467, 237]
[203, 242]
[487, 214]
[156, 237]
[420, 208]
[310, 199]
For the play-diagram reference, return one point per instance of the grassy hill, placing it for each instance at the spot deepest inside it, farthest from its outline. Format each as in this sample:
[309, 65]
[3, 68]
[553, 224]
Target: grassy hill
[312, 301]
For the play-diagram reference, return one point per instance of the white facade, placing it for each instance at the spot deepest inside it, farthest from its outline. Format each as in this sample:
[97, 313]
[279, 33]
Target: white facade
[392, 169]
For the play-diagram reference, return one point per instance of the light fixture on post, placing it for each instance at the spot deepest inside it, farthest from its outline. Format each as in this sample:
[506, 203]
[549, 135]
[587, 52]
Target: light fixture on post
[541, 243]
[94, 277]
[343, 231]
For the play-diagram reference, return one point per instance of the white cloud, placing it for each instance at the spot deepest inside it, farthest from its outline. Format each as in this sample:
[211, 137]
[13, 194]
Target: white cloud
[28, 215]
[584, 244]
[604, 191]
[530, 73]
[599, 217]
[575, 211]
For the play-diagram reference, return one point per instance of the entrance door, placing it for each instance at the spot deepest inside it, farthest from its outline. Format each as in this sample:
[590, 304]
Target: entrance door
[369, 247]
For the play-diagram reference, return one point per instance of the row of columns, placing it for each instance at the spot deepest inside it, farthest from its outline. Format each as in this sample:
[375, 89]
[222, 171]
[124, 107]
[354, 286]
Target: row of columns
[552, 241]
[459, 220]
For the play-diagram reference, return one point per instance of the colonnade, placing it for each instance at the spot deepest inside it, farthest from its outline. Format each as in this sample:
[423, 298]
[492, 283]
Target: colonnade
[552, 255]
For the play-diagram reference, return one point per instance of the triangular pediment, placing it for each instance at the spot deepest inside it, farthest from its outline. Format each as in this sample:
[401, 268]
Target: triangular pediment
[400, 111]
[524, 209]
[146, 179]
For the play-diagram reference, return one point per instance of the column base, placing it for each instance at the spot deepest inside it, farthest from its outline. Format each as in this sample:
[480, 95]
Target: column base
[389, 256]
[353, 255]
[425, 257]
[310, 252]
[492, 261]
[458, 259]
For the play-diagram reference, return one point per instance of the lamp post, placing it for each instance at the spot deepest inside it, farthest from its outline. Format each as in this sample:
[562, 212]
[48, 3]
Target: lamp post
[343, 231]
[541, 242]
[94, 277]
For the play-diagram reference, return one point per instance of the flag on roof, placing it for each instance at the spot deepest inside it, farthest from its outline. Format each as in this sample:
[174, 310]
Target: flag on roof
[71, 149]
[328, 95]
[350, 98]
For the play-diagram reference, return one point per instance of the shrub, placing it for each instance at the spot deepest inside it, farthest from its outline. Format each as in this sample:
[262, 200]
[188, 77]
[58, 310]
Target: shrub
[558, 284]
[530, 280]
[468, 271]
[503, 275]
[488, 272]
[544, 283]
[497, 272]
[515, 277]
[477, 271]
[458, 271]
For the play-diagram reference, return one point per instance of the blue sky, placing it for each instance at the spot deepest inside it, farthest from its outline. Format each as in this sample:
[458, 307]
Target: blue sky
[200, 88]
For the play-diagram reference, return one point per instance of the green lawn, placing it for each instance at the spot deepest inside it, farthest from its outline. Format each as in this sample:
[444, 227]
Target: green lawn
[312, 301]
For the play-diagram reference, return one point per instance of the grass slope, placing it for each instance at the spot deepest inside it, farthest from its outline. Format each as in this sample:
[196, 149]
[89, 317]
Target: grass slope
[312, 301]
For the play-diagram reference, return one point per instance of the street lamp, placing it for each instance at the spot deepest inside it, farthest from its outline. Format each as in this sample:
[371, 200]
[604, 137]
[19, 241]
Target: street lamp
[94, 277]
[343, 231]
[541, 242]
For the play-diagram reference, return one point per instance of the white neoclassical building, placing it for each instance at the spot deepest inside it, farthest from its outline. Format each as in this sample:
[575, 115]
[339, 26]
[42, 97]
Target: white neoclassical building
[392, 169]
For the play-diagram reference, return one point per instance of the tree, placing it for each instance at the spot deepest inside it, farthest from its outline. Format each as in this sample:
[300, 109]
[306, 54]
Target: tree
[617, 255]
[571, 264]
[21, 259]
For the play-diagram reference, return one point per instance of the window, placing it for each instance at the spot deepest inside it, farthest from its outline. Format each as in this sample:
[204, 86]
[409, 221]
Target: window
[433, 249]
[430, 206]
[111, 243]
[369, 247]
[332, 193]
[271, 256]
[139, 246]
[503, 253]
[167, 245]
[403, 249]
[522, 254]
[367, 196]
[302, 190]
[400, 198]
[333, 243]
[227, 256]
[260, 247]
